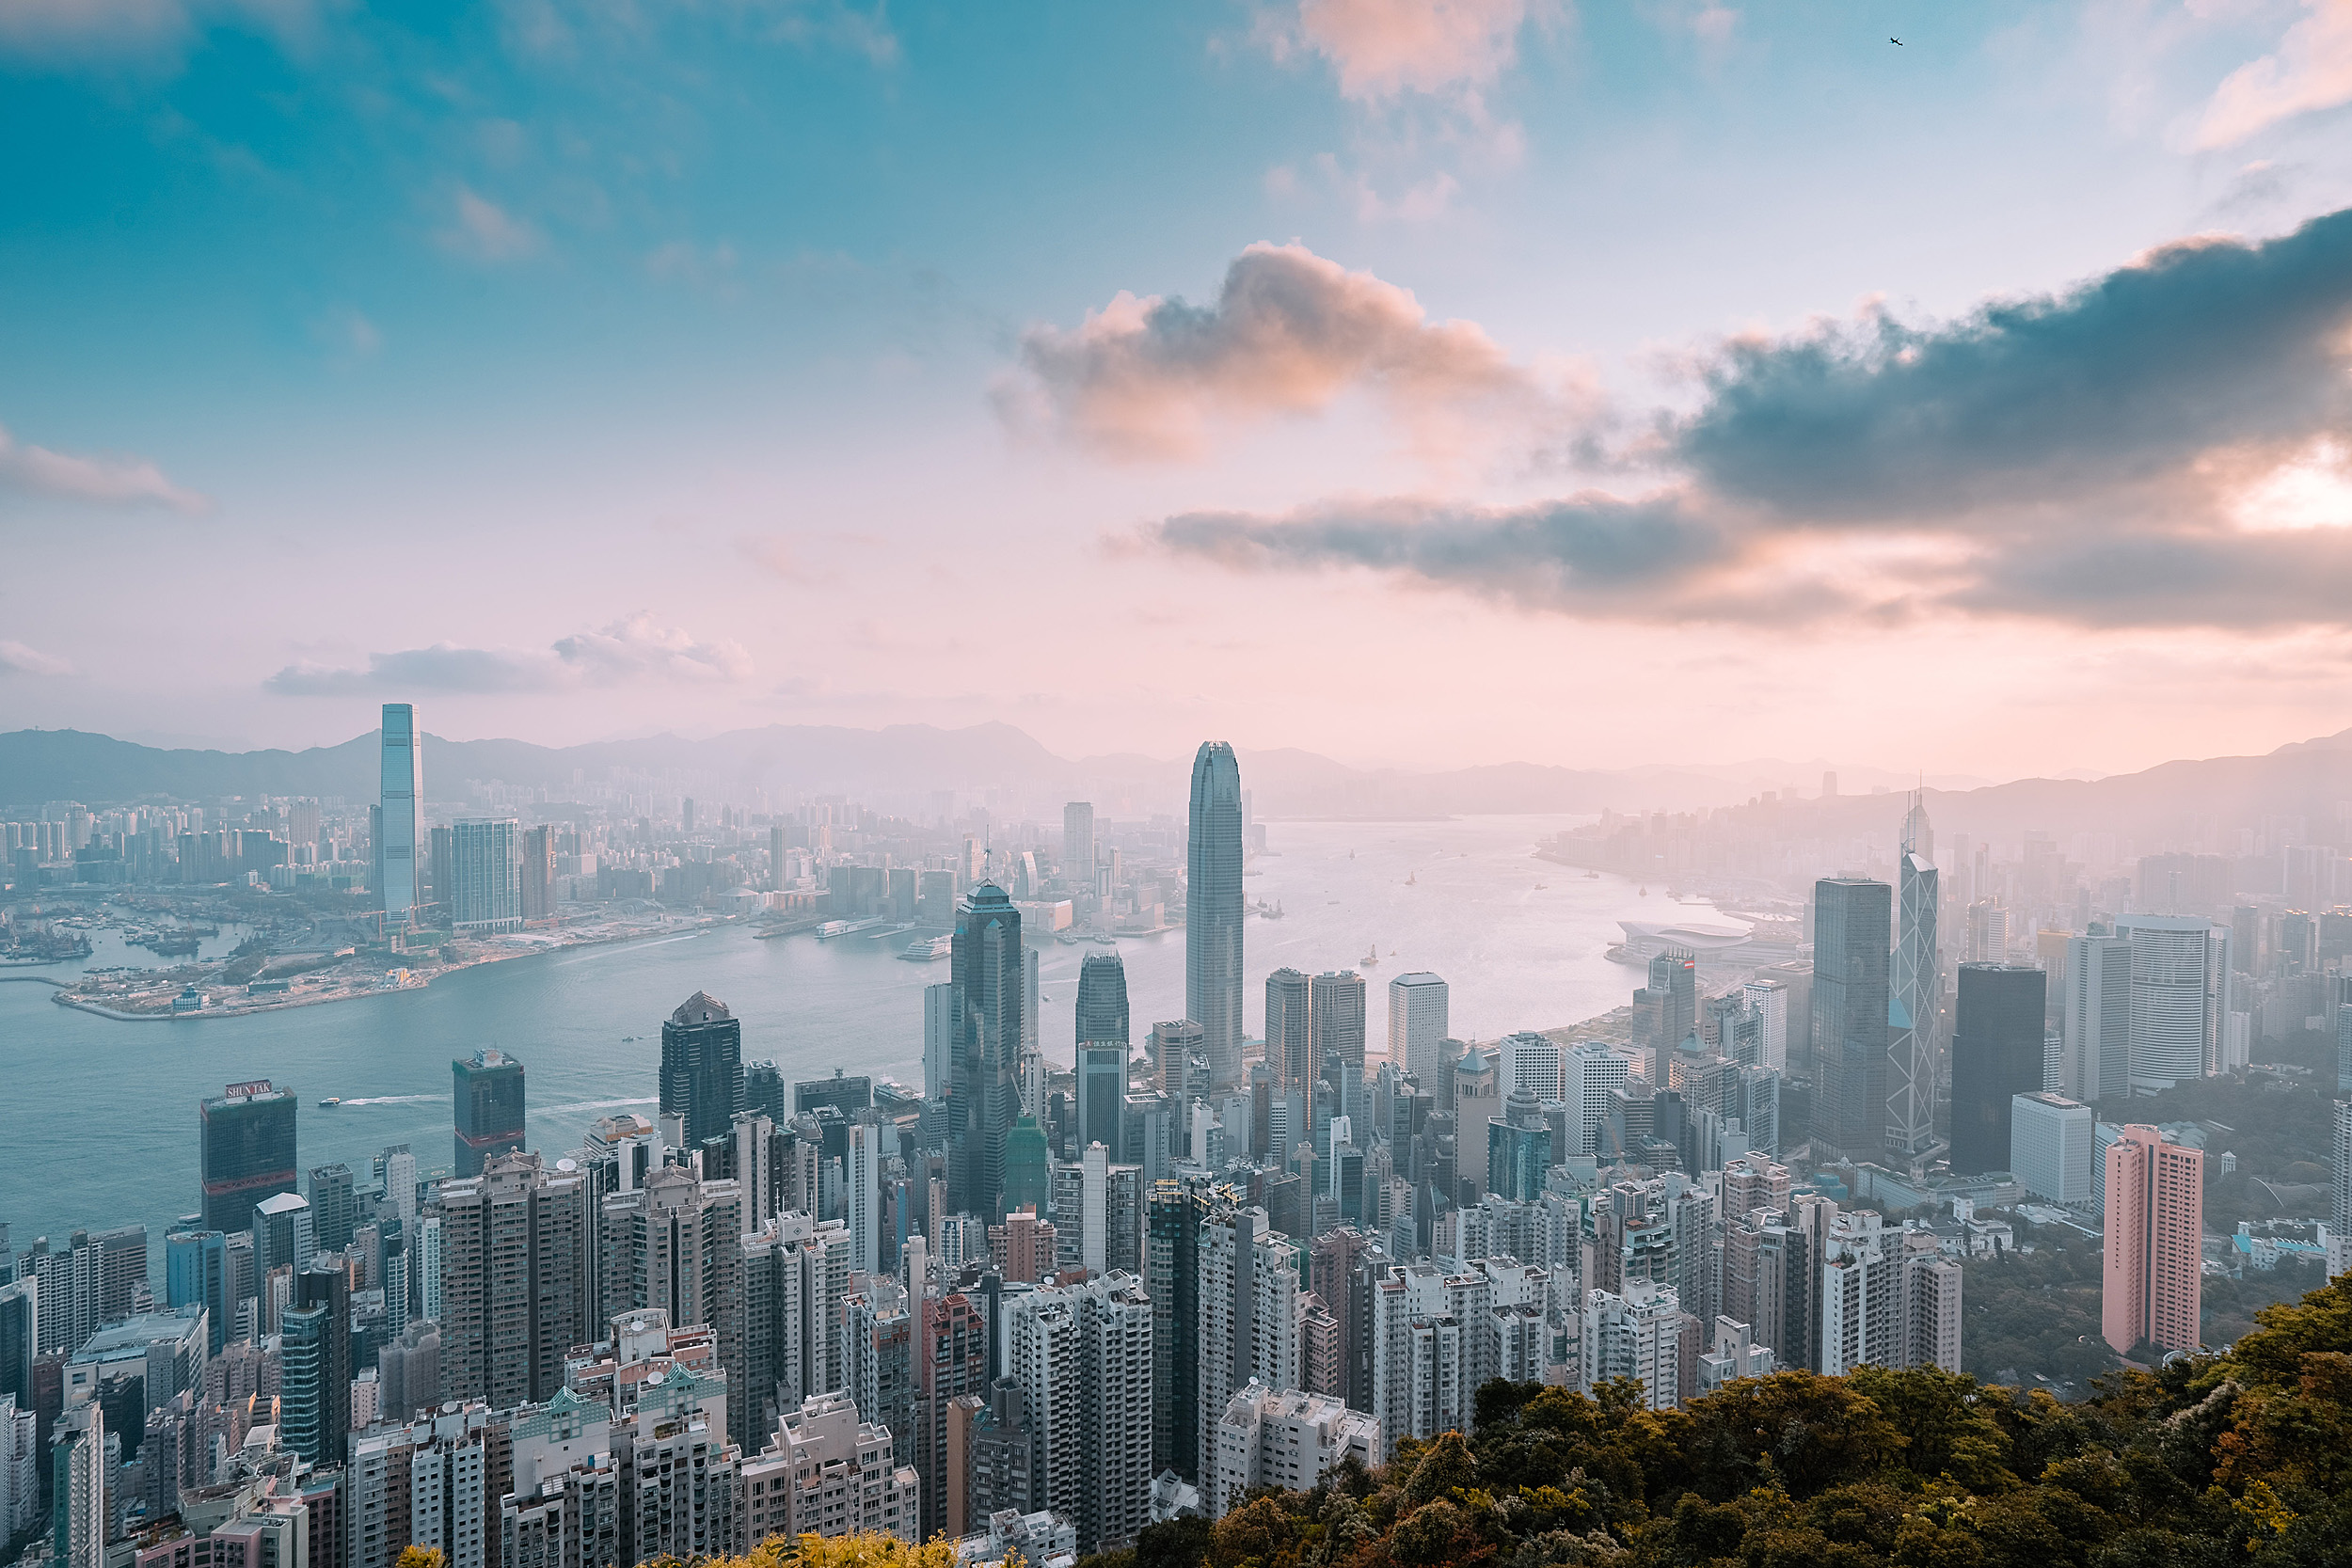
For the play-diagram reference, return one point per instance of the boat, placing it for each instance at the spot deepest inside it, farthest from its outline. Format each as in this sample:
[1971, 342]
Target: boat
[330, 1101]
[1592, 876]
[1643, 893]
[1372, 955]
[1412, 879]
[1540, 886]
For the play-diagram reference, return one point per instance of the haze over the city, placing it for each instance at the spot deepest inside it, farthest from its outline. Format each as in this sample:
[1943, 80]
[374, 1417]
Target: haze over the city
[1420, 386]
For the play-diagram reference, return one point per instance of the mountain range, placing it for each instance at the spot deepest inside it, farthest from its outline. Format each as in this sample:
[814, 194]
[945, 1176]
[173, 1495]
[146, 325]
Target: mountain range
[911, 768]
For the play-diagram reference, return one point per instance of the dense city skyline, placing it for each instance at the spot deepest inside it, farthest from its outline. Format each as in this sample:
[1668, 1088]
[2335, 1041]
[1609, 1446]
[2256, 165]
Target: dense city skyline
[1424, 363]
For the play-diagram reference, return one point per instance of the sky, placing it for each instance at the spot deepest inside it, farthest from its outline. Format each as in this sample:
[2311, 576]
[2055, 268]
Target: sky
[1424, 383]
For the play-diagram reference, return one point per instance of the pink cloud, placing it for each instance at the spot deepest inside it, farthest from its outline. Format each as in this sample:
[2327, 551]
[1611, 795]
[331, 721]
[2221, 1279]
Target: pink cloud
[2312, 68]
[1289, 333]
[1380, 48]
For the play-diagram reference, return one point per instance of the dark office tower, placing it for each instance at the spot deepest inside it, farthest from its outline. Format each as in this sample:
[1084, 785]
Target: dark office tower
[1289, 1039]
[685, 814]
[984, 1098]
[702, 1068]
[1171, 1276]
[1852, 922]
[1339, 1020]
[1103, 999]
[315, 1371]
[245, 1151]
[1213, 910]
[334, 1209]
[763, 1092]
[1102, 1096]
[844, 1093]
[440, 859]
[20, 1338]
[487, 1092]
[1996, 1052]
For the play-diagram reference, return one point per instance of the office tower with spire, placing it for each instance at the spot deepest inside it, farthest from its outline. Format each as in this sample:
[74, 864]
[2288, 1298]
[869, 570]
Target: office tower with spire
[487, 1092]
[1213, 910]
[401, 791]
[1918, 985]
[1852, 1004]
[245, 1151]
[984, 1098]
[1996, 1055]
[702, 1069]
[2152, 1281]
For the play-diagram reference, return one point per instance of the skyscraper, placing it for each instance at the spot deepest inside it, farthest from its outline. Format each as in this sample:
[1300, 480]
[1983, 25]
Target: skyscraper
[245, 1153]
[984, 1097]
[1337, 1020]
[2150, 1287]
[488, 1095]
[2180, 998]
[1850, 1012]
[314, 1405]
[2052, 1142]
[1419, 1022]
[334, 1206]
[1103, 999]
[486, 860]
[1917, 987]
[1102, 1090]
[1213, 910]
[515, 1269]
[2095, 1016]
[400, 789]
[1996, 1055]
[538, 873]
[1288, 1033]
[1077, 845]
[702, 1068]
[1668, 1007]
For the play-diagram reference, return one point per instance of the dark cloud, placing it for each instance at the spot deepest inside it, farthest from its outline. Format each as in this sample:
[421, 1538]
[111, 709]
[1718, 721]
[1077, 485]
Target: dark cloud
[2200, 345]
[1590, 553]
[2093, 457]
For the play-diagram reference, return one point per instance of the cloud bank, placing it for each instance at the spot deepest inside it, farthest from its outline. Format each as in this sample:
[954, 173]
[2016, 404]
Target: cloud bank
[2109, 456]
[18, 659]
[635, 649]
[1289, 332]
[105, 480]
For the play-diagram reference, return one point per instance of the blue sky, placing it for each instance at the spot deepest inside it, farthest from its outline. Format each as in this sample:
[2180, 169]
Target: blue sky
[587, 369]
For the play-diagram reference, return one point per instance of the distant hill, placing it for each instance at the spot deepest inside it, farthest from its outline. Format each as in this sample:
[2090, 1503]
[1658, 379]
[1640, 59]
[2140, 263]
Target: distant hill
[905, 764]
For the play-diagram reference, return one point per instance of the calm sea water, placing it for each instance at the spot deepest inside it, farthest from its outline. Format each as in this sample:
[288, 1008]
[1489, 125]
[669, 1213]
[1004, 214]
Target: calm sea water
[105, 1112]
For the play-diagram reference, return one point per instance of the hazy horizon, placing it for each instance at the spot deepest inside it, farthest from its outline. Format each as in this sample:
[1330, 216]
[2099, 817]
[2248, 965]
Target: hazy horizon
[1500, 381]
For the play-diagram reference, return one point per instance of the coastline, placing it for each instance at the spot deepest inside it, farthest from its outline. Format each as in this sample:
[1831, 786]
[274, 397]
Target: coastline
[64, 997]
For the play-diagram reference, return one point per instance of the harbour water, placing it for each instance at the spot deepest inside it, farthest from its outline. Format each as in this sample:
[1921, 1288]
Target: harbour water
[105, 1112]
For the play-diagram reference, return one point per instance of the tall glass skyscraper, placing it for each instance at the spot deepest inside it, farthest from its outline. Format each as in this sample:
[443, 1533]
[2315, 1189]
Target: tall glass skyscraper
[1213, 910]
[246, 1152]
[1851, 995]
[1919, 988]
[1103, 999]
[487, 1090]
[702, 1068]
[402, 786]
[984, 1096]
